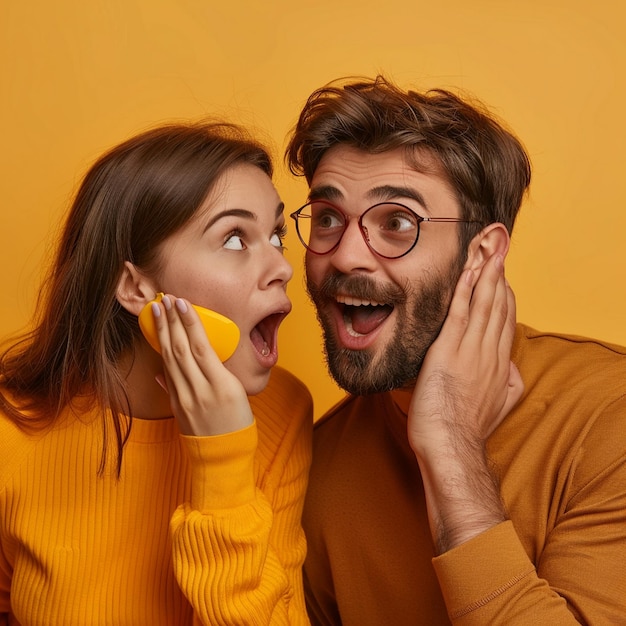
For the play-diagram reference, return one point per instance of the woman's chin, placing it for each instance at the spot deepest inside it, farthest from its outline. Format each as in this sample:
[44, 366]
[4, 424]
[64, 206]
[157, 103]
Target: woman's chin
[254, 379]
[256, 384]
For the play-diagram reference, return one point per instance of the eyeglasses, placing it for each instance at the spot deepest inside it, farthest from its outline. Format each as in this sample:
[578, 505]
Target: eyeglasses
[390, 229]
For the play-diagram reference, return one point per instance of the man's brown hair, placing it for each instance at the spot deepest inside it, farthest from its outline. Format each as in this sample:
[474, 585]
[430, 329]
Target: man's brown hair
[486, 164]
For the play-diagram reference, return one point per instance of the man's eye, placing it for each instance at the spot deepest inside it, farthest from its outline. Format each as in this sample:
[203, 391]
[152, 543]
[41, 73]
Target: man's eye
[327, 220]
[399, 223]
[234, 242]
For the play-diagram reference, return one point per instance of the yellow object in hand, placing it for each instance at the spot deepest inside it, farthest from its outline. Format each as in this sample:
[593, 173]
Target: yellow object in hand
[222, 332]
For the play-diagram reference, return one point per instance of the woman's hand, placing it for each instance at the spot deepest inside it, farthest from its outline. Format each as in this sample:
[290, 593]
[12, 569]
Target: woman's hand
[205, 397]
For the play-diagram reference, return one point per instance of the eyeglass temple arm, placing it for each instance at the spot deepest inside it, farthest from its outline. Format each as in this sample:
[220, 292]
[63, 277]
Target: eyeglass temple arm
[449, 219]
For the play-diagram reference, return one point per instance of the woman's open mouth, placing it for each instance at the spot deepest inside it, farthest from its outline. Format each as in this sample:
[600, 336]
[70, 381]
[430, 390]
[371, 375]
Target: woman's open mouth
[264, 336]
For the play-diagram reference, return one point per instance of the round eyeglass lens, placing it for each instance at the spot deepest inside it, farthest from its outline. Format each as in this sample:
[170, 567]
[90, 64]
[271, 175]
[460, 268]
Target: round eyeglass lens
[390, 229]
[320, 226]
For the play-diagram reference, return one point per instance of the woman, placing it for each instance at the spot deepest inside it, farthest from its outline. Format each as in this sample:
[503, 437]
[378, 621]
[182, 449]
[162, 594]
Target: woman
[136, 487]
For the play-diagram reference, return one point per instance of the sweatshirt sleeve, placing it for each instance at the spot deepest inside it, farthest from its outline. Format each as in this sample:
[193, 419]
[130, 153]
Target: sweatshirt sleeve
[580, 574]
[237, 545]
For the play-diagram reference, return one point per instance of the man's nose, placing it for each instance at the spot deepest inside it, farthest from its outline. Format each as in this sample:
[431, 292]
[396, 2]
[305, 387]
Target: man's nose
[353, 254]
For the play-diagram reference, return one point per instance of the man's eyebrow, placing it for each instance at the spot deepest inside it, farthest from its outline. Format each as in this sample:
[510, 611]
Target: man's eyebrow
[393, 192]
[325, 192]
[377, 194]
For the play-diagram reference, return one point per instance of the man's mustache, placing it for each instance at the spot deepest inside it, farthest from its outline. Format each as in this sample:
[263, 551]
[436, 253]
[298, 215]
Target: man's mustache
[360, 287]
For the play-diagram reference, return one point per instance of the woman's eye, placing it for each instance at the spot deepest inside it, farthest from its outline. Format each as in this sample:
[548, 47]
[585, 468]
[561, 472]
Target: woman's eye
[278, 237]
[234, 242]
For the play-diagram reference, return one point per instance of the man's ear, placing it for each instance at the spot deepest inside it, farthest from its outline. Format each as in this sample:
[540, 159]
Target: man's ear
[134, 289]
[490, 240]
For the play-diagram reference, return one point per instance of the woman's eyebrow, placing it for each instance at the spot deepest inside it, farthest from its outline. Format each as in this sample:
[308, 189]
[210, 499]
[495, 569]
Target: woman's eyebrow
[243, 213]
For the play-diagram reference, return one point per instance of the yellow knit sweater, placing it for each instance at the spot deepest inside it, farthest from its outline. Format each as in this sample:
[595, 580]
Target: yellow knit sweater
[196, 530]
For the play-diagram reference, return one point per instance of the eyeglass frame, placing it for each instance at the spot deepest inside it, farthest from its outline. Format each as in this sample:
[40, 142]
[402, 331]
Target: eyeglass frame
[296, 215]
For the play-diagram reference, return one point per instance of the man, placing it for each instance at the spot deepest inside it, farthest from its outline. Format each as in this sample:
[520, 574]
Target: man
[441, 491]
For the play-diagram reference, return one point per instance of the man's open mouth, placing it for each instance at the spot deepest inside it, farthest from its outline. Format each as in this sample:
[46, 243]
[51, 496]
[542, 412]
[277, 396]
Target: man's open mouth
[361, 316]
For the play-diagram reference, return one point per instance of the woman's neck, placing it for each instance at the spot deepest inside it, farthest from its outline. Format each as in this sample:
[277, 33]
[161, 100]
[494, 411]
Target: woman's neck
[148, 400]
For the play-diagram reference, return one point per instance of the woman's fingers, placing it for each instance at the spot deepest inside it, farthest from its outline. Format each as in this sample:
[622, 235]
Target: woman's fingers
[199, 345]
[205, 397]
[184, 344]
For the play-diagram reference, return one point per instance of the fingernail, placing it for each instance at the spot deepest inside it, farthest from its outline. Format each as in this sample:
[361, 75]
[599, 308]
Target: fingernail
[161, 382]
[181, 305]
[156, 310]
[469, 277]
[499, 261]
[166, 303]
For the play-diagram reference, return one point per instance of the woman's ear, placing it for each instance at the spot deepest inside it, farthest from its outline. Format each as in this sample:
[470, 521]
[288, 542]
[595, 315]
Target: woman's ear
[134, 289]
[490, 240]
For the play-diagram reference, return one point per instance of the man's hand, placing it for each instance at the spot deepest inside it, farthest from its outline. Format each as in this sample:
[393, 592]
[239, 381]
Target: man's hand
[466, 387]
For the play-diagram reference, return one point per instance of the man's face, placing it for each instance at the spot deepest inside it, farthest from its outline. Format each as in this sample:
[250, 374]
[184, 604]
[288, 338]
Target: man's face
[380, 315]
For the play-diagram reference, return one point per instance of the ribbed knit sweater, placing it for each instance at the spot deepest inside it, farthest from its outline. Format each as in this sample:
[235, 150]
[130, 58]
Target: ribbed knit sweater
[196, 529]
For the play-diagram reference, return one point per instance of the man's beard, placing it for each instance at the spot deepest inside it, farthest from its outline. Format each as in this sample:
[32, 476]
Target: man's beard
[363, 372]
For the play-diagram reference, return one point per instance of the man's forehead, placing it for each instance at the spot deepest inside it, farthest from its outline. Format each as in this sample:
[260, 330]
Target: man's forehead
[401, 172]
[342, 158]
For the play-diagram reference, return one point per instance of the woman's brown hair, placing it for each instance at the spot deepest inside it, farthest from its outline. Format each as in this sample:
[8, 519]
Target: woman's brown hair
[130, 201]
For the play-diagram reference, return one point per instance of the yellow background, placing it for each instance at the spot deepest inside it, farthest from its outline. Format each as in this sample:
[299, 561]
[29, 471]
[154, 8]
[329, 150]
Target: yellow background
[79, 76]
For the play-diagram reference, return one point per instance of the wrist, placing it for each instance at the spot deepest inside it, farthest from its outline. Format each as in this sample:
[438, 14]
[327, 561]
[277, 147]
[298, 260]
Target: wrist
[462, 494]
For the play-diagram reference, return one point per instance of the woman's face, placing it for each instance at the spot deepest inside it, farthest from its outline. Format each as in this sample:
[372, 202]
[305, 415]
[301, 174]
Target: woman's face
[229, 258]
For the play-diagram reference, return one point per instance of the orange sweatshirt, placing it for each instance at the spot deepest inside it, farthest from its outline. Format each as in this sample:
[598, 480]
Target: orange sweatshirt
[196, 530]
[560, 456]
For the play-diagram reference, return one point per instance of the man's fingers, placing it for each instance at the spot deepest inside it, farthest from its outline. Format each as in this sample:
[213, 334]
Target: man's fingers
[499, 312]
[485, 298]
[508, 330]
[457, 319]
